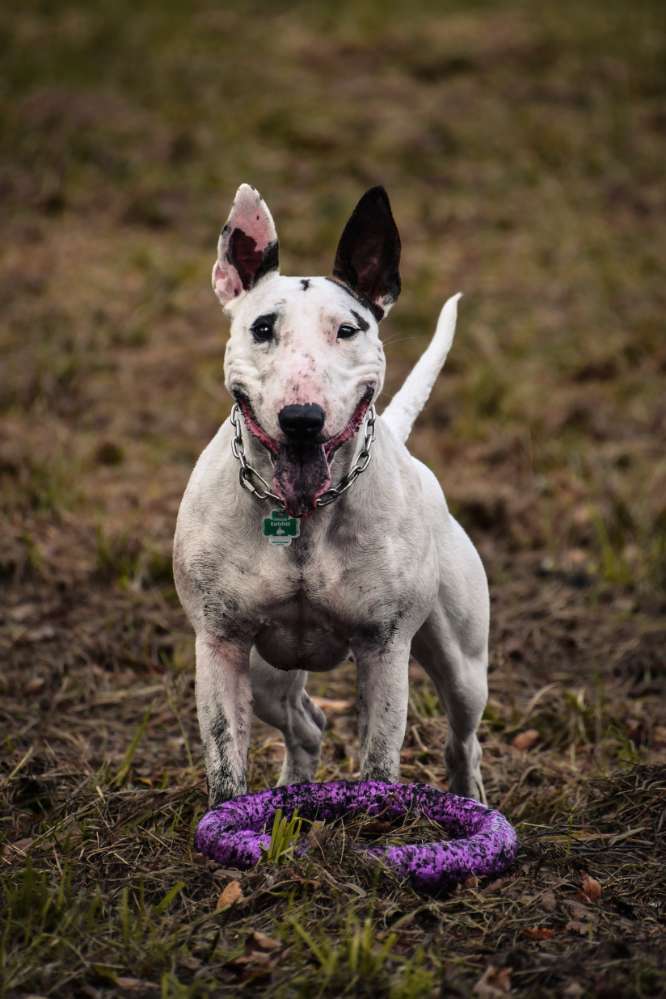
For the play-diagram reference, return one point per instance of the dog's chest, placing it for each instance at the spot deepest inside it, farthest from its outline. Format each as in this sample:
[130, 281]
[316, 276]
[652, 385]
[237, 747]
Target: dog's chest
[299, 635]
[311, 609]
[304, 611]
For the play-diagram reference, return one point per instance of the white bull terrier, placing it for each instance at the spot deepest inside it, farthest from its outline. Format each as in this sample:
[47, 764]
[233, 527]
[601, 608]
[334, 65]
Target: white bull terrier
[370, 564]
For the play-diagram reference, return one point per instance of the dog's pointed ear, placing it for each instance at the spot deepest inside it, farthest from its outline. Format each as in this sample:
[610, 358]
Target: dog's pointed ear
[248, 246]
[368, 255]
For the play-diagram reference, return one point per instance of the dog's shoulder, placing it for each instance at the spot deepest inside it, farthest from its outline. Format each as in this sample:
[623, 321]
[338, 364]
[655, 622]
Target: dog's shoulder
[209, 492]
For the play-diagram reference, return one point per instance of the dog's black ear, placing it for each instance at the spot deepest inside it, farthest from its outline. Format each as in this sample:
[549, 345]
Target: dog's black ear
[368, 255]
[248, 246]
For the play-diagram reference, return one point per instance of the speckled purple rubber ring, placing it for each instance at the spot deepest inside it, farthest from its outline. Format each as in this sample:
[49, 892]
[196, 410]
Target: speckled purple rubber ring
[482, 841]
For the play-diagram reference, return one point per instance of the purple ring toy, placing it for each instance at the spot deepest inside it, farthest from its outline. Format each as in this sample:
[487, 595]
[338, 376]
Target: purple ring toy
[483, 841]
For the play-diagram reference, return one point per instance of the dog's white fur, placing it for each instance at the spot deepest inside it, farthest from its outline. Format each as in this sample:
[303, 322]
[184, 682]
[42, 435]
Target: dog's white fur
[382, 573]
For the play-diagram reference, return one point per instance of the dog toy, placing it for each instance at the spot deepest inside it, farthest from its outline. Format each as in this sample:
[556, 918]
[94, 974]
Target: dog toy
[482, 841]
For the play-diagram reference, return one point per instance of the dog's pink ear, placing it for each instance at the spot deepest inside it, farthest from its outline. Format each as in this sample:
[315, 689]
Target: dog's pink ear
[248, 246]
[368, 254]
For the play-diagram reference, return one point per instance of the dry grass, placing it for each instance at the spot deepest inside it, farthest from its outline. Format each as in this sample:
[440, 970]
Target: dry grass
[523, 151]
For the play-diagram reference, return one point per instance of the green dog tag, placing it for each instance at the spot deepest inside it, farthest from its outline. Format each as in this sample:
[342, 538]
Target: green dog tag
[280, 528]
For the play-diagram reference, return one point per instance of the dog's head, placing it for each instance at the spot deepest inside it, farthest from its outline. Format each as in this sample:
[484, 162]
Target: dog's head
[304, 359]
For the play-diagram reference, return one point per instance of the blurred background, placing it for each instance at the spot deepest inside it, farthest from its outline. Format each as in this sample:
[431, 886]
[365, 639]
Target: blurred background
[521, 144]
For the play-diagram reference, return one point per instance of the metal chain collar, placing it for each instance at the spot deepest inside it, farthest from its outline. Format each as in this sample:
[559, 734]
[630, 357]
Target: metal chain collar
[256, 484]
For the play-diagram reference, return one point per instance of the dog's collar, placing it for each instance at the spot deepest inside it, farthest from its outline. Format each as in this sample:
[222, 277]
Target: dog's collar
[256, 484]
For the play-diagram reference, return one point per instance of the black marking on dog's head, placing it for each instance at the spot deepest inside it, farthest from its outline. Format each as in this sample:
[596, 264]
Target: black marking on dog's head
[362, 324]
[305, 283]
[357, 298]
[251, 263]
[368, 255]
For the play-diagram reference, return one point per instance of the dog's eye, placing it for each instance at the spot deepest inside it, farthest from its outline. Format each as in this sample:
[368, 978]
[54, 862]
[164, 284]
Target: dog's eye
[346, 331]
[262, 329]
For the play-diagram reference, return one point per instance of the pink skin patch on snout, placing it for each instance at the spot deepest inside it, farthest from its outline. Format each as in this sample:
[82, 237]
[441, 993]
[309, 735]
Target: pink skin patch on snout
[302, 474]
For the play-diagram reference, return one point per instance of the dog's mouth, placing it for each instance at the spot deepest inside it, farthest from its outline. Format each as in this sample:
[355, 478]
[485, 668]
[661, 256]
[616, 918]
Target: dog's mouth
[302, 469]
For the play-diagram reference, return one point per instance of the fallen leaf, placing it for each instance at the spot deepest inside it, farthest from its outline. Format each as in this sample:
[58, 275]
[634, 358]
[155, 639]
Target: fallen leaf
[578, 911]
[22, 612]
[573, 990]
[576, 926]
[128, 984]
[189, 961]
[525, 740]
[253, 957]
[548, 901]
[336, 707]
[40, 634]
[471, 881]
[539, 933]
[229, 895]
[263, 941]
[591, 888]
[494, 983]
[495, 885]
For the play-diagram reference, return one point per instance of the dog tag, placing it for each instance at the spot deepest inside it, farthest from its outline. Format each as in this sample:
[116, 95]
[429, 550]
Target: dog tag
[280, 528]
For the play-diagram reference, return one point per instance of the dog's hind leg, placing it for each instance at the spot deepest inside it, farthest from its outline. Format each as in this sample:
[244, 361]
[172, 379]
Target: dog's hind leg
[452, 647]
[280, 699]
[461, 685]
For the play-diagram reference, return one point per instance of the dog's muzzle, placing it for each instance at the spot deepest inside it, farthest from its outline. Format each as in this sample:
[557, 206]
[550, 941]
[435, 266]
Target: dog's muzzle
[302, 424]
[301, 473]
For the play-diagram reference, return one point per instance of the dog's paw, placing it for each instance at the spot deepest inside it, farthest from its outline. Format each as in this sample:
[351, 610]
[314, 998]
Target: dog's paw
[222, 789]
[468, 786]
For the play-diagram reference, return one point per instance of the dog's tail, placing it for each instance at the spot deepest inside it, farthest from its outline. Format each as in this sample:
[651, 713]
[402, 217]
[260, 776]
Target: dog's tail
[412, 396]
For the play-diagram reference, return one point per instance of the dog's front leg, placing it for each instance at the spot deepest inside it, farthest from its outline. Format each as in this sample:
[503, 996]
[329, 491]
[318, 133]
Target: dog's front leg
[224, 705]
[383, 691]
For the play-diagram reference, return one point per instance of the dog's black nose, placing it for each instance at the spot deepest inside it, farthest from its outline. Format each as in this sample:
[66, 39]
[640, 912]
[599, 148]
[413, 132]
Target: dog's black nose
[302, 422]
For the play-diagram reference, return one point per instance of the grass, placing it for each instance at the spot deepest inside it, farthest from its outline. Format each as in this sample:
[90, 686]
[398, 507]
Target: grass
[522, 149]
[285, 835]
[352, 962]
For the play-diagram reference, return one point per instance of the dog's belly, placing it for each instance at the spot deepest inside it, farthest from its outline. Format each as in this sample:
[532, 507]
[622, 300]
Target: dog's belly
[298, 639]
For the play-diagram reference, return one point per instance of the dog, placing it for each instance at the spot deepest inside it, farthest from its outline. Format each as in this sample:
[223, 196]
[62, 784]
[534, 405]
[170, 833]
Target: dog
[308, 535]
